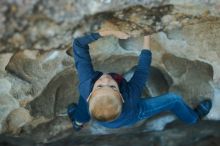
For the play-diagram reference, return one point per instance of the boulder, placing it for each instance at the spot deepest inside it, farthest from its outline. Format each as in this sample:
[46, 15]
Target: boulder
[37, 73]
[16, 119]
[33, 70]
[4, 59]
[7, 104]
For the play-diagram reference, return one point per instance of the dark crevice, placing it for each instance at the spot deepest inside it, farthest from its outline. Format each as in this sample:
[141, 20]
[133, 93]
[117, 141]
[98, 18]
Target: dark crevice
[156, 83]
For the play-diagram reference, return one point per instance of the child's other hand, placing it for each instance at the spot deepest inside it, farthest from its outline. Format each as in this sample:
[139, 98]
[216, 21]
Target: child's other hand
[116, 33]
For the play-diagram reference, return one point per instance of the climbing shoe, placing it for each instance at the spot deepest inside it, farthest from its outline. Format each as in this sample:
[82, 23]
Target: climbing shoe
[77, 125]
[203, 108]
[70, 111]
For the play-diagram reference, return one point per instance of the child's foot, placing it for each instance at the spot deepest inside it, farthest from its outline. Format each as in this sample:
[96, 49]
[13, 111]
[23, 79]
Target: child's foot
[203, 108]
[70, 110]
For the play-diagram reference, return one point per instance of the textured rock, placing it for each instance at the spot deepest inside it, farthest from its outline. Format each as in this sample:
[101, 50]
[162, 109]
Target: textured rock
[181, 135]
[4, 59]
[156, 84]
[114, 58]
[20, 89]
[191, 79]
[47, 131]
[7, 104]
[176, 135]
[36, 68]
[193, 43]
[56, 96]
[30, 19]
[16, 119]
[5, 86]
[37, 73]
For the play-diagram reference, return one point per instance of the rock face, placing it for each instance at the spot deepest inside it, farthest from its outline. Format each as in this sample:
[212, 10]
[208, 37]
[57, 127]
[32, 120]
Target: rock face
[202, 134]
[18, 118]
[38, 78]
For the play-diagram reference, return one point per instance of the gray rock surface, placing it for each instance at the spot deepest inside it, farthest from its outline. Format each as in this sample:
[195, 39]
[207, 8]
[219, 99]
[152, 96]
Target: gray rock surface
[17, 119]
[202, 134]
[37, 72]
[7, 104]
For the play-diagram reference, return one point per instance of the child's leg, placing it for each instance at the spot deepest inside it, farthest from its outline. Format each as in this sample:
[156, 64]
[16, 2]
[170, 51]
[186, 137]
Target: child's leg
[167, 102]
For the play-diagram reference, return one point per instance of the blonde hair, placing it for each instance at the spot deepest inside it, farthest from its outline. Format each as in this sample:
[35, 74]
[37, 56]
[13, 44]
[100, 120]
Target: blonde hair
[105, 108]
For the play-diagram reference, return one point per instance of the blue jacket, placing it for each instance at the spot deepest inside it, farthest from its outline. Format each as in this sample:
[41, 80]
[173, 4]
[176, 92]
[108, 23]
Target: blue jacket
[131, 90]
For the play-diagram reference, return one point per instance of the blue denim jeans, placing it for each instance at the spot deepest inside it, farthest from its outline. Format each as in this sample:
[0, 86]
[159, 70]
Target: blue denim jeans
[167, 102]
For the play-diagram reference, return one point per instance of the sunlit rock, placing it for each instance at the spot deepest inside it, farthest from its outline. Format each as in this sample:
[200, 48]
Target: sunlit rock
[16, 119]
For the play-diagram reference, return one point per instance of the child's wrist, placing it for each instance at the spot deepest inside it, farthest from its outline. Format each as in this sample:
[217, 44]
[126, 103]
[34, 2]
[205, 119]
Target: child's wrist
[146, 43]
[146, 49]
[104, 33]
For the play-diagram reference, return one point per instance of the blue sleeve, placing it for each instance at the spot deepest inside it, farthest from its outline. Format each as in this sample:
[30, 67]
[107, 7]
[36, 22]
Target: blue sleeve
[138, 80]
[82, 113]
[82, 57]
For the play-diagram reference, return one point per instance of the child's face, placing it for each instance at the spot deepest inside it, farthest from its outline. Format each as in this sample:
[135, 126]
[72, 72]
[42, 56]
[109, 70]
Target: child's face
[106, 81]
[106, 85]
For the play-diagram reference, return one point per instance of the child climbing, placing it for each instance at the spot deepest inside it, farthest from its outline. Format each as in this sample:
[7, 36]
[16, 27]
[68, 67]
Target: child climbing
[114, 102]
